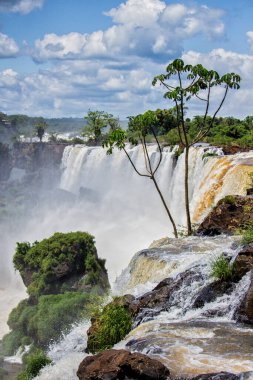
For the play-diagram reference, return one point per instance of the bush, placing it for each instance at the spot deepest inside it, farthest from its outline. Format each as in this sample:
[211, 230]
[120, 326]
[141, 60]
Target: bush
[45, 321]
[247, 234]
[221, 269]
[45, 266]
[33, 365]
[112, 324]
[230, 199]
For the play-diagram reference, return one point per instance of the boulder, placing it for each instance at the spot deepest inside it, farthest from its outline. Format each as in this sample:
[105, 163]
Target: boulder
[244, 260]
[121, 364]
[245, 310]
[218, 376]
[230, 214]
[212, 291]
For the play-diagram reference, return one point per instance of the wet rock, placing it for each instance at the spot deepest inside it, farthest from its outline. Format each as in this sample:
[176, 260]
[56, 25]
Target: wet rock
[218, 376]
[230, 214]
[162, 297]
[212, 291]
[244, 260]
[121, 364]
[245, 310]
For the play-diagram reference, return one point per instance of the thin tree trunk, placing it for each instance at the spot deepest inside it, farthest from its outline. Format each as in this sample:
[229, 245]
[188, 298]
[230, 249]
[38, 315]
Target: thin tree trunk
[186, 188]
[165, 205]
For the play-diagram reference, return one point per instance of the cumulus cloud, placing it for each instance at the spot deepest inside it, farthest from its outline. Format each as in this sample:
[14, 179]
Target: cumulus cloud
[238, 102]
[20, 6]
[8, 47]
[250, 39]
[147, 29]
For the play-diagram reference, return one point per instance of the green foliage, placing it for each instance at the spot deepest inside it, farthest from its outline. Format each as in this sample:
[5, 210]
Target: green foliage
[221, 269]
[97, 122]
[247, 234]
[207, 155]
[11, 343]
[43, 258]
[113, 323]
[230, 199]
[33, 365]
[46, 321]
[40, 128]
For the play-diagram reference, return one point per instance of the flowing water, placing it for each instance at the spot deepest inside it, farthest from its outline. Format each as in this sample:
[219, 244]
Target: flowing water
[103, 195]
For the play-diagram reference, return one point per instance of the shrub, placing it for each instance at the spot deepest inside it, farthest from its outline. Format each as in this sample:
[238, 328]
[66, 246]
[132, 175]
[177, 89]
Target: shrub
[33, 365]
[112, 324]
[230, 199]
[209, 154]
[247, 234]
[45, 321]
[45, 266]
[221, 269]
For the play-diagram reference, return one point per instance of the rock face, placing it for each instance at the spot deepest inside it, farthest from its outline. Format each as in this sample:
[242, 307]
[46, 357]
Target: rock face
[245, 311]
[230, 214]
[244, 260]
[218, 376]
[121, 364]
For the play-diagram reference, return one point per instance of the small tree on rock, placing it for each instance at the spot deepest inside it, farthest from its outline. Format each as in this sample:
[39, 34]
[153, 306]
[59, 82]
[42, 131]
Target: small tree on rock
[138, 128]
[183, 83]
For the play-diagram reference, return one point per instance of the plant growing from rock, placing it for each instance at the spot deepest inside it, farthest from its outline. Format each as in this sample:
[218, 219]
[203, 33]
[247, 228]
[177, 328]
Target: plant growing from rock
[138, 129]
[187, 82]
[222, 269]
[34, 363]
[112, 324]
[247, 234]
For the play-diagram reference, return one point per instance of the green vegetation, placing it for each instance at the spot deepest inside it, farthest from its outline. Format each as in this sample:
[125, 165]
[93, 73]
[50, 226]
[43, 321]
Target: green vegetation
[40, 129]
[45, 321]
[230, 199]
[97, 122]
[182, 84]
[112, 324]
[209, 154]
[47, 265]
[221, 269]
[138, 129]
[34, 362]
[65, 278]
[247, 234]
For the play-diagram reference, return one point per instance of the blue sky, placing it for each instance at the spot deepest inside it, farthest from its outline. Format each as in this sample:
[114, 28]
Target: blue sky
[61, 58]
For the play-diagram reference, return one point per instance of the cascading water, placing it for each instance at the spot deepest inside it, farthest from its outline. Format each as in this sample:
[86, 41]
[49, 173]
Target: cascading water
[103, 195]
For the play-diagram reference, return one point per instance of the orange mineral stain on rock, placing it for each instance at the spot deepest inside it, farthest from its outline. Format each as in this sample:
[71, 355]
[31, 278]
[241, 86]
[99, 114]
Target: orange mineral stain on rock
[216, 176]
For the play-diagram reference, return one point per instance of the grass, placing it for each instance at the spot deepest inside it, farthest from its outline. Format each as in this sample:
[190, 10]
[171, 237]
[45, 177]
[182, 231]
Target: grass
[33, 365]
[221, 269]
[112, 324]
[247, 234]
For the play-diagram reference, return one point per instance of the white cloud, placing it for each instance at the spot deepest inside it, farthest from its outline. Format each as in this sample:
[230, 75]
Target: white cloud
[238, 102]
[8, 47]
[20, 6]
[146, 29]
[250, 39]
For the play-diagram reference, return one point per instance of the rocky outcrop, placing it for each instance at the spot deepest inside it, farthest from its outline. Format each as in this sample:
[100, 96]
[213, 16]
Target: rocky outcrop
[35, 156]
[244, 260]
[121, 364]
[245, 310]
[212, 291]
[218, 376]
[231, 213]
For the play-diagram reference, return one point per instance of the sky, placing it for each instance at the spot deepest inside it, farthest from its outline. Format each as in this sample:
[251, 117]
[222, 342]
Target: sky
[60, 58]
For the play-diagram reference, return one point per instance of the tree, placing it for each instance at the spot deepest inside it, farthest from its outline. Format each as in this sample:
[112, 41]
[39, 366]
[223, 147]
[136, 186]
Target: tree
[138, 128]
[97, 121]
[40, 129]
[187, 82]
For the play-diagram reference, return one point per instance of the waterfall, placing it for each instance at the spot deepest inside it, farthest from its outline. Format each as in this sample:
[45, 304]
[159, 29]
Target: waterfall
[103, 195]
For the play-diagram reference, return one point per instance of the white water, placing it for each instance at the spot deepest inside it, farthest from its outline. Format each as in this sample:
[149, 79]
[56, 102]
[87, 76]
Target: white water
[121, 209]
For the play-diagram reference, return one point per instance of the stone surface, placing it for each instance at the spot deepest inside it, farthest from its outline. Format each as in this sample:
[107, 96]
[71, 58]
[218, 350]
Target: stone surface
[245, 311]
[230, 214]
[211, 291]
[244, 260]
[218, 376]
[121, 364]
